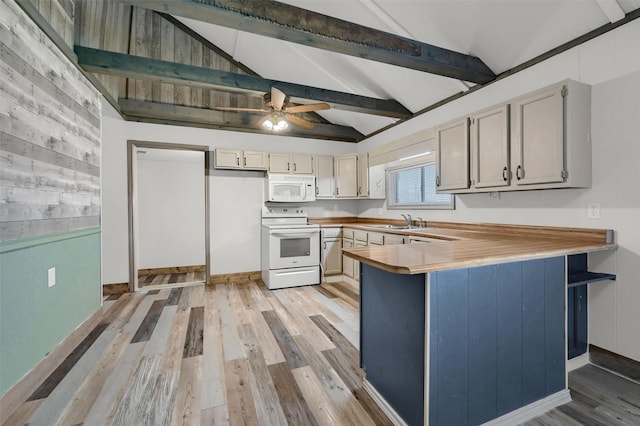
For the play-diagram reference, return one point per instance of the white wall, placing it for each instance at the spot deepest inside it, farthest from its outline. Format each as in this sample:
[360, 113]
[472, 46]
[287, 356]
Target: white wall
[171, 208]
[236, 196]
[611, 63]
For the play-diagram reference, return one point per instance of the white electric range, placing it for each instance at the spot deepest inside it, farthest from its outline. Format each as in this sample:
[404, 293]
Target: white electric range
[290, 248]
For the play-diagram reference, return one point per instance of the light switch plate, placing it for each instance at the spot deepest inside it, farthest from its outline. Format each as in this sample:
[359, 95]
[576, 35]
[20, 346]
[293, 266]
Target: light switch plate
[51, 277]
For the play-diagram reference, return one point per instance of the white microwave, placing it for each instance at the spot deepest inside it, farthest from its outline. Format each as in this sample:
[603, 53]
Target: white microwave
[280, 188]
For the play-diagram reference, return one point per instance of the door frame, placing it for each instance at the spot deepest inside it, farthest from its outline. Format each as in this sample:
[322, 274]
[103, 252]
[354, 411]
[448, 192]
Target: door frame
[132, 146]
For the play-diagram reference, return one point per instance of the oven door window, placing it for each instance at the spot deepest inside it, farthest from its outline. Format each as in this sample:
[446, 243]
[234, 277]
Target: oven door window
[295, 247]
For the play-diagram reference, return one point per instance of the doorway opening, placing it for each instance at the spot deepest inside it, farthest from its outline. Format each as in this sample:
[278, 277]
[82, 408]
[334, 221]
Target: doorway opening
[168, 215]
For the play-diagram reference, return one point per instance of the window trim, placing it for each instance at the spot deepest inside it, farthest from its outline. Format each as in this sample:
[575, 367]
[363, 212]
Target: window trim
[391, 189]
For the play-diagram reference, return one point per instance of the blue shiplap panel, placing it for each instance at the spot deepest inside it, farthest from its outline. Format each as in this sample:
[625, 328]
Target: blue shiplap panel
[509, 337]
[433, 348]
[482, 344]
[533, 331]
[453, 347]
[393, 335]
[554, 324]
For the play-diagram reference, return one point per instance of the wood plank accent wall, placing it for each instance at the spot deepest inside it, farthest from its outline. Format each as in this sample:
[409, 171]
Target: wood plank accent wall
[113, 26]
[59, 14]
[49, 135]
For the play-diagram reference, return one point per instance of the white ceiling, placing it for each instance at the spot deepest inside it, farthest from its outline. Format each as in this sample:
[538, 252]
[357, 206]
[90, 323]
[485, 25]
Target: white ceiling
[502, 33]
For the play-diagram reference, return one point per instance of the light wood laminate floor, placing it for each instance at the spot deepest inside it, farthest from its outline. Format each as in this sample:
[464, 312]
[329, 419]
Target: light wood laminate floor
[240, 354]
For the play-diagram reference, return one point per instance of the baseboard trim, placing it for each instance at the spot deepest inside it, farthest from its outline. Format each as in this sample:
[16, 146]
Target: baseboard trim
[172, 270]
[577, 362]
[239, 277]
[532, 410]
[118, 288]
[19, 393]
[614, 362]
[383, 404]
[333, 278]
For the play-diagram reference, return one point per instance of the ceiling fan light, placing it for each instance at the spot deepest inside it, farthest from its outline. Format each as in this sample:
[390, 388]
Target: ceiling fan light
[282, 124]
[268, 124]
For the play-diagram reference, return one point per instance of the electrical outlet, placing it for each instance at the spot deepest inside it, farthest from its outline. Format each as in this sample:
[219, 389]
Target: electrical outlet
[51, 277]
[593, 211]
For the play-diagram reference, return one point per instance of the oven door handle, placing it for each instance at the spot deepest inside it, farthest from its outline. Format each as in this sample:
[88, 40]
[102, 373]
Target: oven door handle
[296, 234]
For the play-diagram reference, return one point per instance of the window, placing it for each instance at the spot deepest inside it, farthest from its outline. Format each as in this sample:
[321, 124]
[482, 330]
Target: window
[414, 187]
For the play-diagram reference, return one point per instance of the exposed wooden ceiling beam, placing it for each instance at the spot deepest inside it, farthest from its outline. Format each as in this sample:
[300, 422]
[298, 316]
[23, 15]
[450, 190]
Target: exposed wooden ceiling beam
[112, 63]
[285, 22]
[155, 112]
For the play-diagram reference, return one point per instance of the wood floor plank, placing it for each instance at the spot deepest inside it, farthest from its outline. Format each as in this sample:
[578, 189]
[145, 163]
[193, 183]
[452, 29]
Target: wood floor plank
[215, 416]
[240, 400]
[85, 395]
[230, 339]
[270, 348]
[197, 296]
[265, 397]
[317, 399]
[337, 391]
[187, 406]
[213, 380]
[115, 387]
[172, 356]
[158, 341]
[143, 333]
[341, 342]
[174, 296]
[195, 333]
[23, 413]
[288, 346]
[237, 305]
[292, 401]
[259, 298]
[62, 394]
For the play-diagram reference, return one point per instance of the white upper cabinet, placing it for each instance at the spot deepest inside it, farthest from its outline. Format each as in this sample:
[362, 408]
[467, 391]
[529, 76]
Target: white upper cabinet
[325, 181]
[346, 176]
[256, 160]
[363, 175]
[550, 137]
[453, 155]
[538, 137]
[239, 159]
[290, 163]
[489, 130]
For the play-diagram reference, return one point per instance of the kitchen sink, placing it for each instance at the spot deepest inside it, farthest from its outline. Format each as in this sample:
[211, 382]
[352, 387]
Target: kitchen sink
[392, 226]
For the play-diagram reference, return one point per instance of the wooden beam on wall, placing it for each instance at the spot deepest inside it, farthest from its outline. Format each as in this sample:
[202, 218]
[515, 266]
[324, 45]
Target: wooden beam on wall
[154, 112]
[285, 22]
[136, 67]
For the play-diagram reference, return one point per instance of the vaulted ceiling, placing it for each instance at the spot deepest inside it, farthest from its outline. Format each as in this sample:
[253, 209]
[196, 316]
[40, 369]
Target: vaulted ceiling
[375, 62]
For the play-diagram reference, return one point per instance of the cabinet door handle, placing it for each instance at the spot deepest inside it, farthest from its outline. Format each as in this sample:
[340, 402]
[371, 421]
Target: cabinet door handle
[288, 167]
[325, 245]
[519, 173]
[504, 174]
[238, 161]
[437, 180]
[359, 190]
[317, 190]
[337, 191]
[245, 162]
[294, 167]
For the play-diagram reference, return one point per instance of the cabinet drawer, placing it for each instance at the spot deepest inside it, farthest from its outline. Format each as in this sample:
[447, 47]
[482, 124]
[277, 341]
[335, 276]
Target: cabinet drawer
[375, 238]
[331, 232]
[360, 235]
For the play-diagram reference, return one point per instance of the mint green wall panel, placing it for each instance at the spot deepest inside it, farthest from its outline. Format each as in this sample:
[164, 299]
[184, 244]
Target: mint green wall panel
[35, 318]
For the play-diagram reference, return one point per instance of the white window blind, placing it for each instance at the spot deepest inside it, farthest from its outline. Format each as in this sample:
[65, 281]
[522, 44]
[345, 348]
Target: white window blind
[415, 187]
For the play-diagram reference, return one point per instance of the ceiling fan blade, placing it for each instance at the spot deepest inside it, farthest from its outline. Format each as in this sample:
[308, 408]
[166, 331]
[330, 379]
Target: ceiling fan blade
[299, 121]
[307, 108]
[277, 99]
[240, 109]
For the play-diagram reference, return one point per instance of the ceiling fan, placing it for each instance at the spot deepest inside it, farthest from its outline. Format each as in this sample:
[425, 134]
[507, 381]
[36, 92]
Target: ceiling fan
[279, 112]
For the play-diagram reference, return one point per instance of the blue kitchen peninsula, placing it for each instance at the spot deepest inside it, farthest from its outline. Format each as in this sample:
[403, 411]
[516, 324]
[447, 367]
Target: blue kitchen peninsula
[469, 331]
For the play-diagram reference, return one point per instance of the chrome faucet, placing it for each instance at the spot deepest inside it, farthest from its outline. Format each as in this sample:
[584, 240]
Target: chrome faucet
[421, 223]
[407, 217]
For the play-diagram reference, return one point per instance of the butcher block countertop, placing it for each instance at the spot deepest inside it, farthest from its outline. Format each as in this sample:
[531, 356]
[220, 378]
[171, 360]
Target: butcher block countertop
[469, 244]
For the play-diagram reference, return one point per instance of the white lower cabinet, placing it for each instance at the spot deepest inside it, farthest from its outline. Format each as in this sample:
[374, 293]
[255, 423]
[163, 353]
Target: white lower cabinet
[332, 251]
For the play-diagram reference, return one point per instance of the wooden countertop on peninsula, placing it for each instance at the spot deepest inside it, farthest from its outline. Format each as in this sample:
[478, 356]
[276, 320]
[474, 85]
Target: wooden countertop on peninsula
[469, 244]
